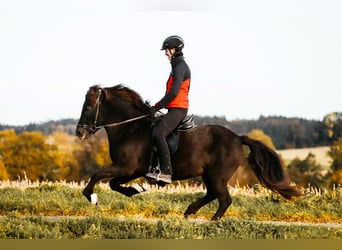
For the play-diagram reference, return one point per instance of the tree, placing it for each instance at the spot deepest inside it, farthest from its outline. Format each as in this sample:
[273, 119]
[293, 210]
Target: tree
[335, 153]
[28, 154]
[64, 157]
[3, 171]
[307, 172]
[90, 156]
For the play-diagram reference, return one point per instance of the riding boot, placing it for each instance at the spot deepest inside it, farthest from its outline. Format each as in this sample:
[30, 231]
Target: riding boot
[163, 172]
[165, 168]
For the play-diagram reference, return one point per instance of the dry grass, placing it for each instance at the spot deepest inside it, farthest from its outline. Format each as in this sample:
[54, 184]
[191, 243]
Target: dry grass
[320, 153]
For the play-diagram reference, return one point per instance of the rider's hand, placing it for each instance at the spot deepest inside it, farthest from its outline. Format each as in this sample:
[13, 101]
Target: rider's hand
[153, 110]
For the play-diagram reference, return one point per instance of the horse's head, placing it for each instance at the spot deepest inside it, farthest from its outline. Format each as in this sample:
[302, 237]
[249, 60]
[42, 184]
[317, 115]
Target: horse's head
[105, 106]
[87, 124]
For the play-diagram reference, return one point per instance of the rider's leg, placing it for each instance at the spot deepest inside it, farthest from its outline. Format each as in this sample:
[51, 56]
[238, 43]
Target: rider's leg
[167, 124]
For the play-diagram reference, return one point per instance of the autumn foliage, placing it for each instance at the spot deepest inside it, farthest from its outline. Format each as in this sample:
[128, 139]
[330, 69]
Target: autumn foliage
[58, 156]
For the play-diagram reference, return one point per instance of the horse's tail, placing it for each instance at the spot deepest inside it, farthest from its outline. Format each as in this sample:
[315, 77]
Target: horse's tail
[267, 167]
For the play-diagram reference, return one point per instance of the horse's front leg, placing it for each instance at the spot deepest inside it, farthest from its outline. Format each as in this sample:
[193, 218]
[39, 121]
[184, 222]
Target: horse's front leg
[106, 172]
[115, 185]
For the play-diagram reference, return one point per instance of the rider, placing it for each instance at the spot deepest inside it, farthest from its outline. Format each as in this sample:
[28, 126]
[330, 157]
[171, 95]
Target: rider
[175, 101]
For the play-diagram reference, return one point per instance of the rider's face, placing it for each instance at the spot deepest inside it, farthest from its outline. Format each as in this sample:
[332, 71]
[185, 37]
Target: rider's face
[169, 53]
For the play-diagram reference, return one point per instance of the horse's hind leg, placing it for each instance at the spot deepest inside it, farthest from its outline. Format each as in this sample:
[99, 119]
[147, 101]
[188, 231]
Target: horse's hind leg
[224, 199]
[216, 188]
[195, 206]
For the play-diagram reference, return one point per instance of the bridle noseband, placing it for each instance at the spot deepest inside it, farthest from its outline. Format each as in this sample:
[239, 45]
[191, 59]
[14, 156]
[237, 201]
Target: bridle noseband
[93, 128]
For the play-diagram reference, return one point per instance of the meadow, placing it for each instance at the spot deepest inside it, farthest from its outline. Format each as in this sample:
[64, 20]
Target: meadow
[57, 210]
[301, 153]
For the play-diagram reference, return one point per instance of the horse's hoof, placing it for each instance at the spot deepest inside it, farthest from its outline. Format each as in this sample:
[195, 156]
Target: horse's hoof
[93, 198]
[87, 195]
[151, 181]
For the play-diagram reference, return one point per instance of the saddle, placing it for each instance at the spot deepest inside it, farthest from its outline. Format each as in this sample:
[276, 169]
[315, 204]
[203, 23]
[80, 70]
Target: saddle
[172, 139]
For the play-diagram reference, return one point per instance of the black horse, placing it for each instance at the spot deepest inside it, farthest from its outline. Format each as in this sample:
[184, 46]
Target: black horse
[213, 152]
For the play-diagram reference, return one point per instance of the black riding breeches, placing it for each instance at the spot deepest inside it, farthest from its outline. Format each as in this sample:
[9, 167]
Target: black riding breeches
[167, 124]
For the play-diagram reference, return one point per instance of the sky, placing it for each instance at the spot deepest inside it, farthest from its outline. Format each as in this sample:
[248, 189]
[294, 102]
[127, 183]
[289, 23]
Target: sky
[248, 58]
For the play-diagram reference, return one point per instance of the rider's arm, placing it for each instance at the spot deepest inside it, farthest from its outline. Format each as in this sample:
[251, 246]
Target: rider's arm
[178, 77]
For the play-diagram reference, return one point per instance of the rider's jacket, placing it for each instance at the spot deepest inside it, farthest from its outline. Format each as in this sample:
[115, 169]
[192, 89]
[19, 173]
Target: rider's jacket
[177, 86]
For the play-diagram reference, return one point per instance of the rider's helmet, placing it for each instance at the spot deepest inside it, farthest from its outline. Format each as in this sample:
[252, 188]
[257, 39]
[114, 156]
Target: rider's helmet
[173, 42]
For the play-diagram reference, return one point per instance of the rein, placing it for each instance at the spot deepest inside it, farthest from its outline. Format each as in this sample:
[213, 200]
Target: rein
[95, 127]
[123, 122]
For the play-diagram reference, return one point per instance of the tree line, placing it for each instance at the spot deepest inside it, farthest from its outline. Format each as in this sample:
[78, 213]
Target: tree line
[285, 132]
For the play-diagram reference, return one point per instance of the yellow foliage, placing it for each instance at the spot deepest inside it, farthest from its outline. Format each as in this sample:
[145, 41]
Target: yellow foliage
[3, 171]
[58, 156]
[62, 140]
[29, 154]
[337, 176]
[258, 134]
[102, 155]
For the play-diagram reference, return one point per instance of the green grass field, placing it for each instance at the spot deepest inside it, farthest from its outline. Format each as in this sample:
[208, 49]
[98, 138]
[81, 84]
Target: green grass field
[58, 210]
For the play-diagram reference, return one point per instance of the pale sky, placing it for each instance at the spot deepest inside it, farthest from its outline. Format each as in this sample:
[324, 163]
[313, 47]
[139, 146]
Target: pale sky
[248, 57]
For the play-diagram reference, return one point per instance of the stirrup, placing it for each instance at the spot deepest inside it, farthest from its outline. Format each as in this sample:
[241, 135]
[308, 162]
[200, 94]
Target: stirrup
[154, 170]
[166, 178]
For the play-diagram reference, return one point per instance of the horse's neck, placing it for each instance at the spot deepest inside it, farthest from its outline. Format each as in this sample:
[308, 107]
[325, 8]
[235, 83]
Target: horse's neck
[125, 139]
[121, 134]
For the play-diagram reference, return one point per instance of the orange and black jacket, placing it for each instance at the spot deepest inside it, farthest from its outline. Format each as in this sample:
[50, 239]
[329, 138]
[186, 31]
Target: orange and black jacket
[177, 86]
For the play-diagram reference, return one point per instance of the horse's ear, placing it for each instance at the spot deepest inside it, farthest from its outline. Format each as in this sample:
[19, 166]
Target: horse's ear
[103, 94]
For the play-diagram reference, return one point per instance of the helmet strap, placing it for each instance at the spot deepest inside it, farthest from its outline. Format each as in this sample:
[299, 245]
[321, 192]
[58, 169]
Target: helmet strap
[172, 52]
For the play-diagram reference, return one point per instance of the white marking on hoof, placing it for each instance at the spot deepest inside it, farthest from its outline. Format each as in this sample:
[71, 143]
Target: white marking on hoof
[93, 198]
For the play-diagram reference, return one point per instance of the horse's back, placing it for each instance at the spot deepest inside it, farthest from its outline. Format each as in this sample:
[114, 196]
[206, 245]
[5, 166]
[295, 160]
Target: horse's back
[205, 147]
[210, 134]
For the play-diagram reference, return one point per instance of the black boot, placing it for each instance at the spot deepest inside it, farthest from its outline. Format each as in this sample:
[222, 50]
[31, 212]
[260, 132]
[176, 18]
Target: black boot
[166, 174]
[162, 173]
[166, 169]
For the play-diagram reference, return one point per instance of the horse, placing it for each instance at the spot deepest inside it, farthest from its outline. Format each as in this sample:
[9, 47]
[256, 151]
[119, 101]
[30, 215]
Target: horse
[211, 151]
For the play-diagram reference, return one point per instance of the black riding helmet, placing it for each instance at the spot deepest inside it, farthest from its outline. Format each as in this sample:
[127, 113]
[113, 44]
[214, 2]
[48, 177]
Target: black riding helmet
[173, 42]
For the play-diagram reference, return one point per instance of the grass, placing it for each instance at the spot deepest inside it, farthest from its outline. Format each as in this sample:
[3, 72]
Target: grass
[58, 210]
[99, 227]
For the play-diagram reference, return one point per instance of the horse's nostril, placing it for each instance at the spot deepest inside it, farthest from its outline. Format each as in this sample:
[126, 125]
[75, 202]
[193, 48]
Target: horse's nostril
[78, 132]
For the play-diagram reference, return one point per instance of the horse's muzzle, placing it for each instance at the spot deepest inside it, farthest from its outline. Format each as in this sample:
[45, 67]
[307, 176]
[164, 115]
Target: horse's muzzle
[82, 133]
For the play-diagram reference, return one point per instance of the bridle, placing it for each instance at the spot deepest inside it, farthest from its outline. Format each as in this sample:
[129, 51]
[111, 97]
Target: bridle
[93, 128]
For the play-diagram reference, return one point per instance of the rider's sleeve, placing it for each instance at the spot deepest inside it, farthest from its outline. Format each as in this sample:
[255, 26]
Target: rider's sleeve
[178, 76]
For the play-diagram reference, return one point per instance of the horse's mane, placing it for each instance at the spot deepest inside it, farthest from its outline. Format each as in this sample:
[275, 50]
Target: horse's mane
[124, 93]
